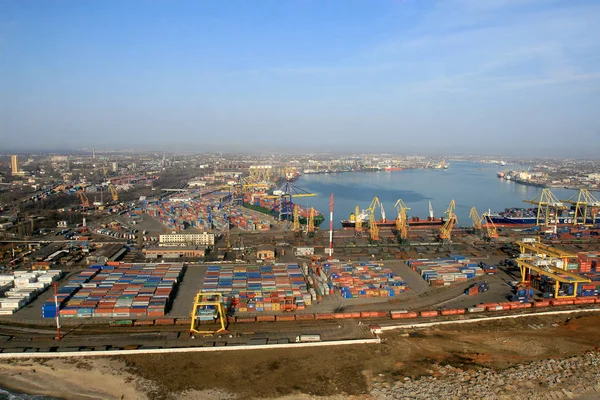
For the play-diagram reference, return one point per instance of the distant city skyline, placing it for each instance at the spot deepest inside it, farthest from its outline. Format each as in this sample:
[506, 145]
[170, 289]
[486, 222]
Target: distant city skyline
[455, 77]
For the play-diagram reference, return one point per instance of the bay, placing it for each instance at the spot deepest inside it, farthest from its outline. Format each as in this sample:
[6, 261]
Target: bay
[468, 183]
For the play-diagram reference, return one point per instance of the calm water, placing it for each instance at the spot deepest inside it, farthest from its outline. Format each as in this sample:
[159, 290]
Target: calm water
[469, 184]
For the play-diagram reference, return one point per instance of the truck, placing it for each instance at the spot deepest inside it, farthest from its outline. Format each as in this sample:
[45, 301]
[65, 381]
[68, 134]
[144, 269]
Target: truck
[308, 338]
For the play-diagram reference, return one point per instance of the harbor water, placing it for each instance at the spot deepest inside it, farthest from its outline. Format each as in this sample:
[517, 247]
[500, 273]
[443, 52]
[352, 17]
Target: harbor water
[469, 184]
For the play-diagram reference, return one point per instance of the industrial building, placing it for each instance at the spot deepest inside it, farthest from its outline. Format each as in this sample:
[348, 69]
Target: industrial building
[111, 252]
[265, 252]
[175, 252]
[14, 165]
[187, 239]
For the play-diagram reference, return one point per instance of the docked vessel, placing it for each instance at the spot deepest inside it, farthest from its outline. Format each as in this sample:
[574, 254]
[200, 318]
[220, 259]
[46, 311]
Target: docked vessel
[413, 222]
[527, 217]
[389, 168]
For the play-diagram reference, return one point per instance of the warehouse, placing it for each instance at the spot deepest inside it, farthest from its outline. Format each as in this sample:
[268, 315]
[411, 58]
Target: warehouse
[176, 252]
[265, 252]
[187, 239]
[111, 252]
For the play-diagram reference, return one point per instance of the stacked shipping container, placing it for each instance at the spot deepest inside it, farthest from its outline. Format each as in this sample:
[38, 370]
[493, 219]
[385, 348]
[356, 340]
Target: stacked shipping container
[446, 271]
[259, 288]
[21, 287]
[363, 280]
[123, 290]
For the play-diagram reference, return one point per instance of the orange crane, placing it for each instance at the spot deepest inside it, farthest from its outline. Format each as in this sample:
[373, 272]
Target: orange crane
[492, 231]
[85, 202]
[311, 222]
[113, 192]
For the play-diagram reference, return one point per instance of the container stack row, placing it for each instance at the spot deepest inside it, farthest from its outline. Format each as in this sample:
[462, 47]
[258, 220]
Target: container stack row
[363, 280]
[22, 287]
[446, 271]
[126, 290]
[259, 288]
[205, 214]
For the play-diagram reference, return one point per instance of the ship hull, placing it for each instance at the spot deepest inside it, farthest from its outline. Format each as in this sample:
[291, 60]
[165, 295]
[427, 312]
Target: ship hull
[412, 224]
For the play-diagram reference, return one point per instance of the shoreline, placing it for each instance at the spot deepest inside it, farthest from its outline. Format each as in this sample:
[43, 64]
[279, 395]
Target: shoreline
[79, 379]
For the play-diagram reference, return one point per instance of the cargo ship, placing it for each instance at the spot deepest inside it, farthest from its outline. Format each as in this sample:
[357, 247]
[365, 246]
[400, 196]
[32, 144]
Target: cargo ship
[413, 222]
[389, 168]
[527, 217]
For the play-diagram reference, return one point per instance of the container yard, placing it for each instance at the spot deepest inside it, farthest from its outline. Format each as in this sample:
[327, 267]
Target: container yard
[265, 288]
[122, 290]
[446, 271]
[20, 288]
[356, 280]
[206, 214]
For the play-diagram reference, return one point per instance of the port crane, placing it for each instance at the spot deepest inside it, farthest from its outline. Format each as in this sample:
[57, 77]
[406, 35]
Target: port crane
[113, 192]
[373, 228]
[548, 207]
[545, 268]
[85, 202]
[586, 208]
[490, 227]
[284, 196]
[296, 221]
[451, 220]
[310, 228]
[476, 218]
[208, 307]
[402, 220]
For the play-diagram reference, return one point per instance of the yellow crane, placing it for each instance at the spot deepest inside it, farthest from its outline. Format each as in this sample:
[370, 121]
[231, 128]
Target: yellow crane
[586, 208]
[311, 222]
[451, 220]
[85, 202]
[296, 220]
[474, 215]
[544, 250]
[492, 231]
[113, 192]
[358, 221]
[373, 227]
[548, 207]
[208, 307]
[402, 219]
[527, 264]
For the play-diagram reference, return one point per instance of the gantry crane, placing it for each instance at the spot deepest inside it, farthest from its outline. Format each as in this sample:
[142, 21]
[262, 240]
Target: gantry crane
[586, 208]
[546, 251]
[476, 218]
[284, 196]
[402, 219]
[544, 267]
[548, 207]
[208, 307]
[451, 220]
[85, 202]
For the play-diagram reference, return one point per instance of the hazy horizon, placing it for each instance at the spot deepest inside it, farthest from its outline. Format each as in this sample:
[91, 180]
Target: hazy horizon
[455, 77]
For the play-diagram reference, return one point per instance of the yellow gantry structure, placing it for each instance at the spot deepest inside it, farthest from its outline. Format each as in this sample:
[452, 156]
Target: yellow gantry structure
[446, 230]
[586, 208]
[548, 207]
[85, 202]
[311, 222]
[296, 220]
[474, 215]
[560, 276]
[208, 305]
[357, 221]
[402, 220]
[113, 192]
[544, 250]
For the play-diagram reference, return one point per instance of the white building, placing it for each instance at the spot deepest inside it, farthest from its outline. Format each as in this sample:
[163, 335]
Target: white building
[187, 239]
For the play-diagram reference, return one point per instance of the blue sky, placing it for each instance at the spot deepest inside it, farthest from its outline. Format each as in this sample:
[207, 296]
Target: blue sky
[404, 76]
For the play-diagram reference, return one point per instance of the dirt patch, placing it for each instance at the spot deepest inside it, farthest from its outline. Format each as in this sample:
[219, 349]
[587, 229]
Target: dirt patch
[351, 370]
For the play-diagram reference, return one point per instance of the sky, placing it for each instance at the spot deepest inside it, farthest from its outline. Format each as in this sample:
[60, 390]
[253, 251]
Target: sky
[498, 77]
